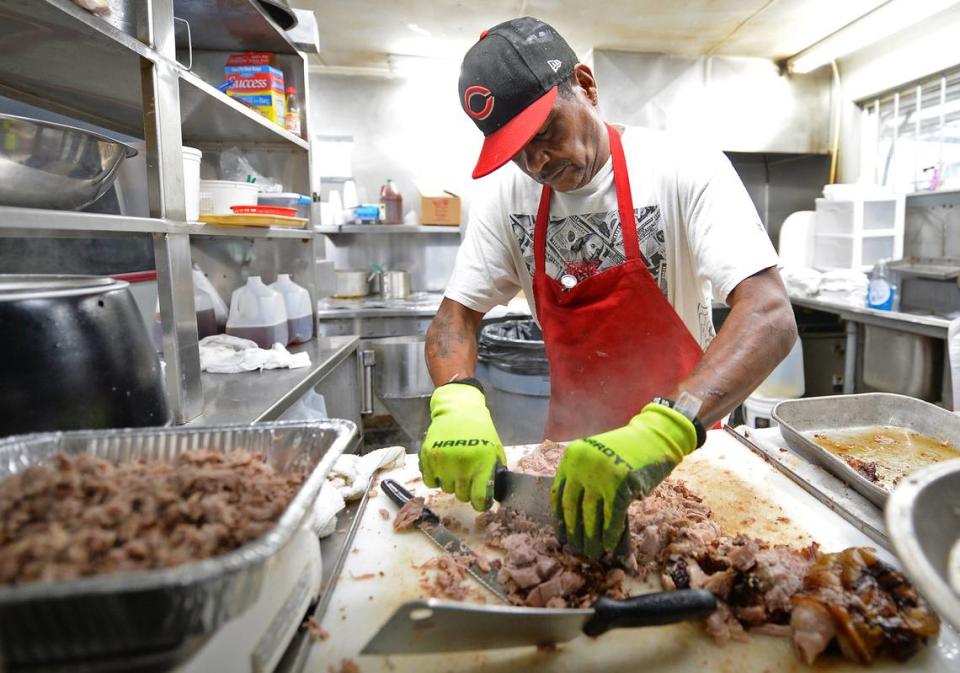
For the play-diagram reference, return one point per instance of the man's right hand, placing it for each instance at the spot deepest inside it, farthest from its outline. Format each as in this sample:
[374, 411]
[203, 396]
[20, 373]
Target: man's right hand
[462, 449]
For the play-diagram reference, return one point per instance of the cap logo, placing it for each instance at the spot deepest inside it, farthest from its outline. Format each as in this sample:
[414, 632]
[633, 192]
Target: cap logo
[554, 64]
[486, 100]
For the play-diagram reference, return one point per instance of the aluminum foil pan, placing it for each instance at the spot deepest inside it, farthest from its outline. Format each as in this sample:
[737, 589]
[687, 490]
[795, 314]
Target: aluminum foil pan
[170, 610]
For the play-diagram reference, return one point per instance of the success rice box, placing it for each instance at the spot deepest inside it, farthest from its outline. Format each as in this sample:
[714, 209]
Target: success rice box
[258, 82]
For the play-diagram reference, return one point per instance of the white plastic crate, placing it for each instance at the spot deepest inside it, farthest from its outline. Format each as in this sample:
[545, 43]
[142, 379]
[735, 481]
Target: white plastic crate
[857, 233]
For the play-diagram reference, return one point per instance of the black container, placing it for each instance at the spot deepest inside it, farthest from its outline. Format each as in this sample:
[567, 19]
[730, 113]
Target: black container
[75, 354]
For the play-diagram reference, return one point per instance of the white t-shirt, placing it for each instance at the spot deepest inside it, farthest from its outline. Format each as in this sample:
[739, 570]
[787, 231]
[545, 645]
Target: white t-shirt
[698, 230]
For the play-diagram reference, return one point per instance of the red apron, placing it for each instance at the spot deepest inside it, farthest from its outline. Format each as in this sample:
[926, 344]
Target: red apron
[613, 340]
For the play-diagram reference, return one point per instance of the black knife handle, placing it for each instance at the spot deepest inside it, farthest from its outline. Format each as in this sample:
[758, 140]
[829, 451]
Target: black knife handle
[499, 482]
[402, 496]
[655, 609]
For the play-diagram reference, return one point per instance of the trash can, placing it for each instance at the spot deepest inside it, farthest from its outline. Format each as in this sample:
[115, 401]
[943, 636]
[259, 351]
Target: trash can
[512, 365]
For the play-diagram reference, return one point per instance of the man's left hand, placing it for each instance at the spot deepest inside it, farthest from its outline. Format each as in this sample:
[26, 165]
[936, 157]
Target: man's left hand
[600, 476]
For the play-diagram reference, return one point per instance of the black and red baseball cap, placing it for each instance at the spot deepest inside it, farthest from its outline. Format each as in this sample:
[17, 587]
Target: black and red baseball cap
[508, 83]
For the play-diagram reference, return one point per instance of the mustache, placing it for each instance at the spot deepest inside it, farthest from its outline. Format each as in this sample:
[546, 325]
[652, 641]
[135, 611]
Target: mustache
[550, 171]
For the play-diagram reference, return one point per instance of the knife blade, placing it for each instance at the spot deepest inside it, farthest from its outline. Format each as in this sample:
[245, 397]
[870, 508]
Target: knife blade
[430, 525]
[527, 493]
[441, 626]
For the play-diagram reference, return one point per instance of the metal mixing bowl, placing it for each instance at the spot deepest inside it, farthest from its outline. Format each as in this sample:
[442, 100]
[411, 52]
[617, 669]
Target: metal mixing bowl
[49, 165]
[923, 522]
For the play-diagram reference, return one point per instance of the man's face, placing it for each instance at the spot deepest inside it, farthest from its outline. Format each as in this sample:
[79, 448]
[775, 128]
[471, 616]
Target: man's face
[563, 153]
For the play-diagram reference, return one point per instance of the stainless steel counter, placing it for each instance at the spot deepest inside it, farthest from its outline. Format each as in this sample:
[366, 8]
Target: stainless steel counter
[419, 304]
[928, 325]
[251, 397]
[375, 317]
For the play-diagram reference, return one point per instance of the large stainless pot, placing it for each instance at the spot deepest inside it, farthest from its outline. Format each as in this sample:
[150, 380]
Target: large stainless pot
[353, 283]
[75, 355]
[48, 165]
[395, 284]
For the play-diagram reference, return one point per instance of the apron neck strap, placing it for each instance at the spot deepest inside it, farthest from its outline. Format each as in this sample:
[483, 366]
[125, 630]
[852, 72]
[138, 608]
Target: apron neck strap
[621, 180]
[540, 231]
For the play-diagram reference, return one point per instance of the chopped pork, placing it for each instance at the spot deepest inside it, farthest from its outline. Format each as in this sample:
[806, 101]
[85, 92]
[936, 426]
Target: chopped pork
[867, 605]
[768, 589]
[80, 515]
[409, 514]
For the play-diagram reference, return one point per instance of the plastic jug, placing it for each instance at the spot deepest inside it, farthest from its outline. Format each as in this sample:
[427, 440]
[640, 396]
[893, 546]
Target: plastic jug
[201, 285]
[206, 317]
[258, 313]
[391, 203]
[296, 299]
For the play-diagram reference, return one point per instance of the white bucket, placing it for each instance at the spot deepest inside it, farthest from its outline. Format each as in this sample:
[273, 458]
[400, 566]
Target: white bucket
[758, 411]
[786, 380]
[216, 196]
[191, 182]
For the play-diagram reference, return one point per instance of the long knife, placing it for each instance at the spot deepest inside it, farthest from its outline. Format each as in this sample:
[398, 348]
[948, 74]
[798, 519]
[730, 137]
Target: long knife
[440, 626]
[429, 524]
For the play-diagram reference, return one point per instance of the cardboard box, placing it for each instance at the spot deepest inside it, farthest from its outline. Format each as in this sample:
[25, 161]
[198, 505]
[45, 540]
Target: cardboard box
[258, 82]
[439, 206]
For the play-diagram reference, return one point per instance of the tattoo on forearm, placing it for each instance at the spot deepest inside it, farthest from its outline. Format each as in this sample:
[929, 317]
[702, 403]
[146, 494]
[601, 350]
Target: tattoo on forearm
[445, 338]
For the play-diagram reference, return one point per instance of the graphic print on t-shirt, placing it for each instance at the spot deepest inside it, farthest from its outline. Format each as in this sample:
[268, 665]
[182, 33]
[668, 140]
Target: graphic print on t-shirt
[582, 245]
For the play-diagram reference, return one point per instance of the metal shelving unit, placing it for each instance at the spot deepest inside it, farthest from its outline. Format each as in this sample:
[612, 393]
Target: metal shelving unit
[385, 229]
[31, 222]
[210, 116]
[121, 72]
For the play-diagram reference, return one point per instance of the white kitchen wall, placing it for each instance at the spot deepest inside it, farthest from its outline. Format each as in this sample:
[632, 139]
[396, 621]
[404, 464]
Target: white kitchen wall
[403, 128]
[733, 104]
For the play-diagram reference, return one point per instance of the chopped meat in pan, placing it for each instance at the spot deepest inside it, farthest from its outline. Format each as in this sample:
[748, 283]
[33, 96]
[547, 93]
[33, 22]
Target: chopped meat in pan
[866, 468]
[80, 515]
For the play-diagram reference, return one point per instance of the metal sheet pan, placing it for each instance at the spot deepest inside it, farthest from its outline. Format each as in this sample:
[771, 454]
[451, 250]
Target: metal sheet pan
[841, 412]
[165, 610]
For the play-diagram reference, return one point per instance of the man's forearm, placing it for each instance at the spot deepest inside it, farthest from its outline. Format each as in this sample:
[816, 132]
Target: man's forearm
[451, 343]
[756, 336]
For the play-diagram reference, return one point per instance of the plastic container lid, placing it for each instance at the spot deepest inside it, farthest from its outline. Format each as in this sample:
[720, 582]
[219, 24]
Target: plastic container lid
[191, 152]
[291, 89]
[274, 198]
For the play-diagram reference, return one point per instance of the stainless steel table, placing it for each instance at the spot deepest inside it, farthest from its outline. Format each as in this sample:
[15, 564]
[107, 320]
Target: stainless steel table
[924, 325]
[251, 397]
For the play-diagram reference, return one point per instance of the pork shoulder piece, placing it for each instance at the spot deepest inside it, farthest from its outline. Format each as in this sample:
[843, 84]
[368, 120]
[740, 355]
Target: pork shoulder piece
[872, 609]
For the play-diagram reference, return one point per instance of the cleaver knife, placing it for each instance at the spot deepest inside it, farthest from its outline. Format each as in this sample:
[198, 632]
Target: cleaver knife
[427, 626]
[527, 493]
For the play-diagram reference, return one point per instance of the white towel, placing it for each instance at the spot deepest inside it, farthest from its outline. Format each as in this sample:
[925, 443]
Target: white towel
[225, 354]
[347, 480]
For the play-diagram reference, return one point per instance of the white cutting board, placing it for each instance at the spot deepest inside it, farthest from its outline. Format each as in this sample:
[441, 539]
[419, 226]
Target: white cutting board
[747, 495]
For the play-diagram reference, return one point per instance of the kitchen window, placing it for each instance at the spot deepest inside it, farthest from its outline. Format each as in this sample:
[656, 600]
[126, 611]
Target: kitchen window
[910, 137]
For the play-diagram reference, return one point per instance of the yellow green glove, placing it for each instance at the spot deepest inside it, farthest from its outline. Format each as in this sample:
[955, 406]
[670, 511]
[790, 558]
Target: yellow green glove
[462, 449]
[601, 475]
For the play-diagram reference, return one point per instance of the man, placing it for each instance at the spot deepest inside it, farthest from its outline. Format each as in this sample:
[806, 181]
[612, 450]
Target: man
[625, 310]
